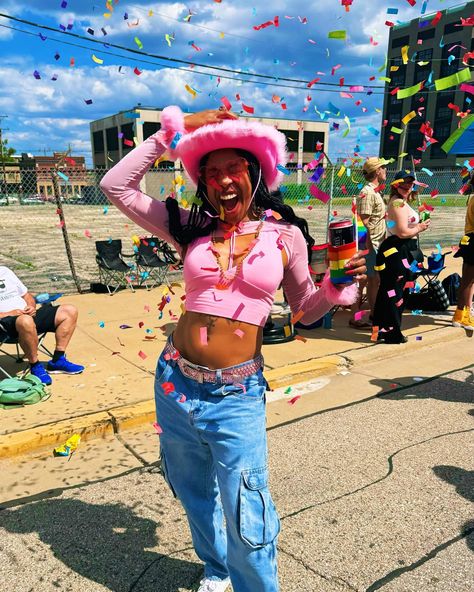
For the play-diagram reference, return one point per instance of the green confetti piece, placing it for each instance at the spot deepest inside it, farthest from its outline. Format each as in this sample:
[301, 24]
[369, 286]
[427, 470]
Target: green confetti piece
[139, 43]
[404, 93]
[337, 34]
[453, 80]
[288, 390]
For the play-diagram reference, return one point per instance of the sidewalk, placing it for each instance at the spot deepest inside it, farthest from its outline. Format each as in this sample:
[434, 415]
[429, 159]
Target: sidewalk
[115, 392]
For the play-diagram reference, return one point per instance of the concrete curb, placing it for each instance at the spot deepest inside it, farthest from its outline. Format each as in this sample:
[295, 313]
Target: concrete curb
[119, 419]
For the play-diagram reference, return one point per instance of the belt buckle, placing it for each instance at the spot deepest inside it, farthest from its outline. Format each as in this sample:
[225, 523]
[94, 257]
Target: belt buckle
[200, 376]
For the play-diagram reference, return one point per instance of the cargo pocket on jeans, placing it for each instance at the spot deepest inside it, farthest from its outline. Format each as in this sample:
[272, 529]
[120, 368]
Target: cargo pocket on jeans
[164, 472]
[259, 522]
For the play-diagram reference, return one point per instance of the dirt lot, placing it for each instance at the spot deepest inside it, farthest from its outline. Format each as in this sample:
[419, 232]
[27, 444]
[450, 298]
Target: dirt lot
[32, 242]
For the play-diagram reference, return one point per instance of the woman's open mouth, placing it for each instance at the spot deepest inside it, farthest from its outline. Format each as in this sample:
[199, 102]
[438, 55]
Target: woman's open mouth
[229, 202]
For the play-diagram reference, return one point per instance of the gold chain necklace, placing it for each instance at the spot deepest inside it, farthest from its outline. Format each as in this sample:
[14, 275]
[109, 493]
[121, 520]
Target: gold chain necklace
[225, 278]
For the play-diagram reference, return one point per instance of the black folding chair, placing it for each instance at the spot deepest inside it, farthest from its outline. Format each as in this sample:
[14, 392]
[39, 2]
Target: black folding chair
[151, 268]
[5, 340]
[114, 272]
[166, 253]
[436, 265]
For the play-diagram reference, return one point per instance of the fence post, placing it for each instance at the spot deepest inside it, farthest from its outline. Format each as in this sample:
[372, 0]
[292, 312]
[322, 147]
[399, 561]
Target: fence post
[57, 196]
[331, 193]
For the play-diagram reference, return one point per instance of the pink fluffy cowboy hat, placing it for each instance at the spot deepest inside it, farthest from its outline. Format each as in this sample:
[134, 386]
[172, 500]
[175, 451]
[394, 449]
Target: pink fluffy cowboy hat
[266, 143]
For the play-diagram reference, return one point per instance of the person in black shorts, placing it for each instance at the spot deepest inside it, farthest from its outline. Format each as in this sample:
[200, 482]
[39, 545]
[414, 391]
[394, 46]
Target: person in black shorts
[21, 320]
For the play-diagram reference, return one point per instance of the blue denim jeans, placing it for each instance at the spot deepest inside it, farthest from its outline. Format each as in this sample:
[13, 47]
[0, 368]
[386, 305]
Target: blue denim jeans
[214, 459]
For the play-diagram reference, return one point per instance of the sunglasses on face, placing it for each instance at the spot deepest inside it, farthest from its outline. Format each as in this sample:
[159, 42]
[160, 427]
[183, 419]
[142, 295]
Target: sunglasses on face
[232, 169]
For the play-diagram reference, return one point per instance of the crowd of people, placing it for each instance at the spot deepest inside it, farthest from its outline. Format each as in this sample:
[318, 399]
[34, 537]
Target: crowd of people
[393, 228]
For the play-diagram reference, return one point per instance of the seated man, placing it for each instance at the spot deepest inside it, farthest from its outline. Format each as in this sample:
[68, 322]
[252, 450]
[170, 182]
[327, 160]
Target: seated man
[20, 320]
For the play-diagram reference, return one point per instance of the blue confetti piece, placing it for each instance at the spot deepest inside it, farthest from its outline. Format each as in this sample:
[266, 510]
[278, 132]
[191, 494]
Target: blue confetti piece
[105, 210]
[175, 140]
[283, 169]
[101, 324]
[416, 312]
[391, 223]
[392, 10]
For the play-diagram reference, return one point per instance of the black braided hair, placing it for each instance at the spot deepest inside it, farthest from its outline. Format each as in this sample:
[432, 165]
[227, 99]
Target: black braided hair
[201, 224]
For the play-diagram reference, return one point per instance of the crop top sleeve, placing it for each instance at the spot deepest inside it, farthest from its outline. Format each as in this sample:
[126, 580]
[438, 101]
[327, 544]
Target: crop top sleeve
[300, 291]
[121, 185]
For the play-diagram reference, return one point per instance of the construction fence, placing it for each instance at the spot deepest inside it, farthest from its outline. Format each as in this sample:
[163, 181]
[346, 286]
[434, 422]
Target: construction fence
[36, 214]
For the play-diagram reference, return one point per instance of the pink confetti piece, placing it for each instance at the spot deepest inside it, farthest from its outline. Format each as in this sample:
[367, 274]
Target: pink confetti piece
[294, 399]
[399, 303]
[391, 293]
[239, 333]
[203, 335]
[359, 314]
[146, 308]
[142, 355]
[243, 387]
[158, 428]
[238, 310]
[87, 233]
[182, 399]
[405, 263]
[319, 194]
[409, 285]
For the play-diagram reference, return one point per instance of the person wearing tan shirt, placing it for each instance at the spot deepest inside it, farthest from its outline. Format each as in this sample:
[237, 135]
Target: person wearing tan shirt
[371, 209]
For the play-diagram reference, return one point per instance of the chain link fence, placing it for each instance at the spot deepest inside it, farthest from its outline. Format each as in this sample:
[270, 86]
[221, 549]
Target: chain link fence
[32, 242]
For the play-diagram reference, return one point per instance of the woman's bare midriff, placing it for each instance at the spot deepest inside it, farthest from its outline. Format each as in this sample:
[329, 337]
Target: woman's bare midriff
[224, 348]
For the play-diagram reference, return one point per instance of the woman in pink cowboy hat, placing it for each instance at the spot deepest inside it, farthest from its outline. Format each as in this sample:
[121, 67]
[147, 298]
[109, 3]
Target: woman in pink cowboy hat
[238, 245]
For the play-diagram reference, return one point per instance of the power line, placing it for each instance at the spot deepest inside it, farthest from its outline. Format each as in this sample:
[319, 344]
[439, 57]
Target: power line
[168, 59]
[232, 78]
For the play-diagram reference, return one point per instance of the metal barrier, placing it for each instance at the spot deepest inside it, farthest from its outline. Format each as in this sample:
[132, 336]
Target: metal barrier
[33, 245]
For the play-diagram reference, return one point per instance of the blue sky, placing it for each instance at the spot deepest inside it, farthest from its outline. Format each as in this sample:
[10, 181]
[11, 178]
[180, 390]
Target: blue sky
[46, 115]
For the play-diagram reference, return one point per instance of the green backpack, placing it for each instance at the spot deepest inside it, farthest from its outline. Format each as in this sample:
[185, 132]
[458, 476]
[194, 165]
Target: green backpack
[16, 392]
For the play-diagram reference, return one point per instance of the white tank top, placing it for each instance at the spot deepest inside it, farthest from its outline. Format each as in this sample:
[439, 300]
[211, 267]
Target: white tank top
[413, 220]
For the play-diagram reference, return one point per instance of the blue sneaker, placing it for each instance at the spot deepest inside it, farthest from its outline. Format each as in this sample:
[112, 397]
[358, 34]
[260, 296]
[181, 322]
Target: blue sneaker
[64, 366]
[39, 371]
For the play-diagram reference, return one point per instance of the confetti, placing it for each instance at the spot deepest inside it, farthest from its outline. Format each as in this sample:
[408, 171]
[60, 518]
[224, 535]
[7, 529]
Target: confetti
[203, 335]
[158, 428]
[168, 387]
[239, 333]
[293, 400]
[142, 355]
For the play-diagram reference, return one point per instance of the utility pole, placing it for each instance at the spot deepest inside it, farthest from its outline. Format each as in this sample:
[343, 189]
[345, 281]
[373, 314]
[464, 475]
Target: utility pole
[4, 184]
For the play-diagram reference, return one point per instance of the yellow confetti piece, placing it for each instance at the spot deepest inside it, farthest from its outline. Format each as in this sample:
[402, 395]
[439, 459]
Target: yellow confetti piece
[139, 43]
[107, 15]
[385, 79]
[405, 54]
[408, 117]
[150, 12]
[341, 171]
[396, 130]
[394, 68]
[465, 240]
[379, 267]
[287, 330]
[222, 35]
[135, 240]
[97, 60]
[389, 252]
[190, 90]
[168, 39]
[402, 154]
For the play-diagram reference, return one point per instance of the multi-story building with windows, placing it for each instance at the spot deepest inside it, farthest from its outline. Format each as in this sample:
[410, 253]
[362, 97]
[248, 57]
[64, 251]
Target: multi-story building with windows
[114, 136]
[435, 51]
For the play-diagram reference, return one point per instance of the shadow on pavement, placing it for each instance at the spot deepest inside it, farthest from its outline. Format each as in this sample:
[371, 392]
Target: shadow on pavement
[463, 481]
[108, 544]
[442, 389]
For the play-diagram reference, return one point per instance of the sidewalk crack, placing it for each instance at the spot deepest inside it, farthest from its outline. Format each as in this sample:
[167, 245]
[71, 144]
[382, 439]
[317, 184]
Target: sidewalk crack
[396, 573]
[332, 579]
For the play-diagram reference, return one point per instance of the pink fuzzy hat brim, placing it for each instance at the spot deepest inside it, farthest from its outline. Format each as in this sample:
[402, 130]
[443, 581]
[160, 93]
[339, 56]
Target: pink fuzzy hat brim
[265, 142]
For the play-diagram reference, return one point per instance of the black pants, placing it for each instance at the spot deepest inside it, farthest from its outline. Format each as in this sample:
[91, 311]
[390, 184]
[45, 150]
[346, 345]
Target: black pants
[394, 274]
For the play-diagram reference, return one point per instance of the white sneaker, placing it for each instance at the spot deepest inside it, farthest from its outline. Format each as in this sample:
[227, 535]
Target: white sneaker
[208, 585]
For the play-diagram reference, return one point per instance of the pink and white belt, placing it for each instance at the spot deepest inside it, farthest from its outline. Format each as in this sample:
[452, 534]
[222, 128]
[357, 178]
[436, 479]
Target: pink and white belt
[230, 375]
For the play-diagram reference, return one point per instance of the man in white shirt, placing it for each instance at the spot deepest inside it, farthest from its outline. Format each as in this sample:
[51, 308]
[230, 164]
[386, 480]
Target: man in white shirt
[21, 320]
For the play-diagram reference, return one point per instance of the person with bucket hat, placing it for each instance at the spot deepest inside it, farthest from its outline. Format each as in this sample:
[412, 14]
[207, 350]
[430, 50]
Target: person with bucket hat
[396, 256]
[371, 210]
[238, 244]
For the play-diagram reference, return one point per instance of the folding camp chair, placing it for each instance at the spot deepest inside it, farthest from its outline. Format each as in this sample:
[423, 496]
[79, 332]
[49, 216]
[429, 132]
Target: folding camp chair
[436, 265]
[430, 295]
[114, 272]
[5, 340]
[152, 270]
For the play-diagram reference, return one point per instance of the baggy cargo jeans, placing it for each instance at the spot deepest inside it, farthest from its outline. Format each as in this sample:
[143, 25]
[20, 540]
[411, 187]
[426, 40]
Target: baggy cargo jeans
[214, 459]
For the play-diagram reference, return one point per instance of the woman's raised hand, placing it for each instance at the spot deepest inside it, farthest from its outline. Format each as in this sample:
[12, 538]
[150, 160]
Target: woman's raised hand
[208, 117]
[424, 225]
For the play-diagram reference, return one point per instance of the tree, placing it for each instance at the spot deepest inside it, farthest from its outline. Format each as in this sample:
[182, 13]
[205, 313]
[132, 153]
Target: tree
[6, 152]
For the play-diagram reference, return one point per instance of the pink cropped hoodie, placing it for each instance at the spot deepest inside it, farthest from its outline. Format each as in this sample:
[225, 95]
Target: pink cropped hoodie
[250, 296]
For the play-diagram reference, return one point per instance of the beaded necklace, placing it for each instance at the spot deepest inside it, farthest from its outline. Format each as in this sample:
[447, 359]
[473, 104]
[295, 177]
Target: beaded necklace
[226, 278]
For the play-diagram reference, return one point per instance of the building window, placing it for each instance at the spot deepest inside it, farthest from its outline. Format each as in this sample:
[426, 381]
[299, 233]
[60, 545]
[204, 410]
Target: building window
[451, 28]
[310, 139]
[442, 133]
[150, 128]
[448, 64]
[127, 131]
[98, 142]
[291, 139]
[425, 55]
[426, 34]
[401, 41]
[421, 73]
[443, 112]
[111, 135]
